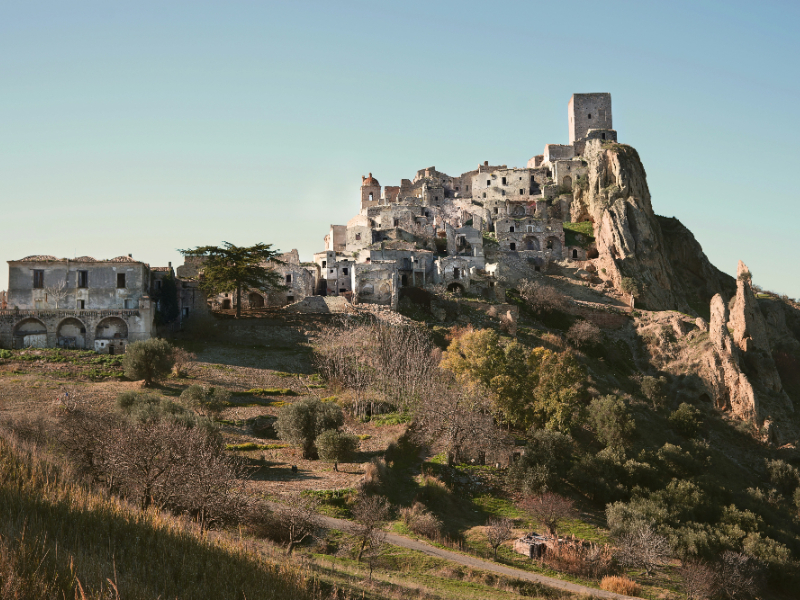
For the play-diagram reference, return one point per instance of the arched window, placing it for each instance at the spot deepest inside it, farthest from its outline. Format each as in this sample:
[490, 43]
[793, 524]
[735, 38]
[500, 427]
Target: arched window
[512, 246]
[574, 254]
[511, 229]
[370, 196]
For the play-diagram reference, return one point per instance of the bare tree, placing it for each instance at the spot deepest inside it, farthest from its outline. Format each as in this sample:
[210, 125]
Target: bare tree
[370, 515]
[699, 580]
[541, 297]
[584, 334]
[184, 362]
[457, 417]
[498, 531]
[549, 510]
[298, 519]
[641, 547]
[58, 291]
[737, 575]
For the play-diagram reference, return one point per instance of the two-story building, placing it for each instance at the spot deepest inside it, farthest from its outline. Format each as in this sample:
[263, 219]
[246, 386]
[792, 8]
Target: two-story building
[77, 303]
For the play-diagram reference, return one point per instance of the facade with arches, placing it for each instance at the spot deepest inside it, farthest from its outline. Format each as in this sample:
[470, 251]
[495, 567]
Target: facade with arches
[81, 303]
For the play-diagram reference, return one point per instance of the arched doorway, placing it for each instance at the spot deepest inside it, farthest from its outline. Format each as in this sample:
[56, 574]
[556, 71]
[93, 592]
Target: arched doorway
[567, 181]
[111, 336]
[226, 304]
[574, 254]
[554, 244]
[30, 333]
[456, 288]
[256, 300]
[531, 243]
[71, 333]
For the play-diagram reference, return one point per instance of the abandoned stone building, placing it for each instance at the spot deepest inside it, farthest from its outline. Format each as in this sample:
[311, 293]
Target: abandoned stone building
[432, 227]
[77, 303]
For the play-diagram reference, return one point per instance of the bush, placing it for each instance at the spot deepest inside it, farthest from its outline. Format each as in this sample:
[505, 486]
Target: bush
[611, 422]
[620, 585]
[654, 389]
[421, 521]
[205, 401]
[6, 354]
[783, 476]
[151, 408]
[632, 287]
[686, 420]
[149, 360]
[337, 446]
[302, 422]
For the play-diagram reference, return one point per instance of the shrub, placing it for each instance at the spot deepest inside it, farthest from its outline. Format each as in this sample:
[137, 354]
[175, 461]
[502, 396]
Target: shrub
[611, 422]
[632, 287]
[783, 476]
[336, 446]
[205, 401]
[654, 389]
[686, 420]
[149, 360]
[6, 353]
[302, 422]
[421, 521]
[620, 585]
[151, 408]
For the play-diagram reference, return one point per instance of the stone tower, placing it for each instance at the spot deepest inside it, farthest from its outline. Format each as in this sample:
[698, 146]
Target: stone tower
[588, 111]
[370, 191]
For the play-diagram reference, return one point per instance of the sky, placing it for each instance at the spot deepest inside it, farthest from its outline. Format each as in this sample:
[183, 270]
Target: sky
[146, 127]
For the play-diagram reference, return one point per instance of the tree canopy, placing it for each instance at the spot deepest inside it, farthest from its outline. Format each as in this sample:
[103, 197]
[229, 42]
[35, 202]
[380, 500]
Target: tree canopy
[231, 268]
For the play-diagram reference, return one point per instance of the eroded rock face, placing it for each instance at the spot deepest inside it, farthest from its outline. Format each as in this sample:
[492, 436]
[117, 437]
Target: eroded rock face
[732, 389]
[749, 326]
[629, 237]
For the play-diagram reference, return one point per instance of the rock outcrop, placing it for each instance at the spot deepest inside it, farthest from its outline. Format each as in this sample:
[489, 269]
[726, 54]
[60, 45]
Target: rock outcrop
[731, 388]
[629, 237]
[741, 371]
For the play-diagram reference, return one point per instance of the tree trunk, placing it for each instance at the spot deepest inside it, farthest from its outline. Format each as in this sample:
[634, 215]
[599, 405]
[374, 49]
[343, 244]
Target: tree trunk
[238, 301]
[361, 550]
[289, 548]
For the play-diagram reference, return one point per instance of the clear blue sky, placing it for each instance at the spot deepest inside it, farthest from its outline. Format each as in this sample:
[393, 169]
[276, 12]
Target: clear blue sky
[143, 127]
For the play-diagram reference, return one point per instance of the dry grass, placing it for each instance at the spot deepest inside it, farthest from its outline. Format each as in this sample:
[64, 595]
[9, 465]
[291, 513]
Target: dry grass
[58, 539]
[620, 585]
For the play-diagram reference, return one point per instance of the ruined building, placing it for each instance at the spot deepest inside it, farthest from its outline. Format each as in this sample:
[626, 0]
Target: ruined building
[80, 303]
[431, 229]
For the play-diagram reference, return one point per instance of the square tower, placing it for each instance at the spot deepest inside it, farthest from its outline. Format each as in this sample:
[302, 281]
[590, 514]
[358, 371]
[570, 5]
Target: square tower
[588, 111]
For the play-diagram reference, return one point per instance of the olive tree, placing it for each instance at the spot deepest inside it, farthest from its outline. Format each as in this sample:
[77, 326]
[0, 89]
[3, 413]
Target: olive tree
[149, 360]
[302, 423]
[336, 446]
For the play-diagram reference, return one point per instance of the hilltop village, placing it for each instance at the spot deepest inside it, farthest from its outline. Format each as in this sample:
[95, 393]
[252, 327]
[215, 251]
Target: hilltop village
[427, 231]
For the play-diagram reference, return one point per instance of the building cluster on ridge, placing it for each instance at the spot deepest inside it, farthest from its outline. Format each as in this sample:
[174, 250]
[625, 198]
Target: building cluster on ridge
[427, 231]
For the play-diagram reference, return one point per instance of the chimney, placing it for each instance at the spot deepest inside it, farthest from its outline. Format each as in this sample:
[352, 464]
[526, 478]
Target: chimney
[486, 163]
[169, 264]
[130, 255]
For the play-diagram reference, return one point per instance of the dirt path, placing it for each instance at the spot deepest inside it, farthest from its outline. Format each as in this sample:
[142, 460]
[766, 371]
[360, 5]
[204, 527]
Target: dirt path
[485, 565]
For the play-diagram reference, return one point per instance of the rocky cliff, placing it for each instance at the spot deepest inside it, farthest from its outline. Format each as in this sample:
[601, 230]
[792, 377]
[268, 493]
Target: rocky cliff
[671, 265]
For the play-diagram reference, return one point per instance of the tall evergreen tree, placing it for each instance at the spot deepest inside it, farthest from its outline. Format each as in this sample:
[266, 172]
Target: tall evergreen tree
[230, 268]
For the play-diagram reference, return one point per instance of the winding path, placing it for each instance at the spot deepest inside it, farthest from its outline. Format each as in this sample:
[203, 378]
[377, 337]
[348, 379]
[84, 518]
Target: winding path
[485, 565]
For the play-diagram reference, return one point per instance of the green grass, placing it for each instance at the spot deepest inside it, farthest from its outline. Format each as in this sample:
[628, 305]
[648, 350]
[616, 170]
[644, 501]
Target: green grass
[253, 446]
[268, 392]
[395, 418]
[572, 231]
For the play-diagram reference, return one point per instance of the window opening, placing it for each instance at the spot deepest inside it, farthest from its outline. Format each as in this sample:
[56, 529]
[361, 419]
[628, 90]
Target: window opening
[38, 278]
[120, 280]
[81, 304]
[511, 229]
[289, 278]
[504, 180]
[344, 271]
[512, 246]
[358, 236]
[83, 280]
